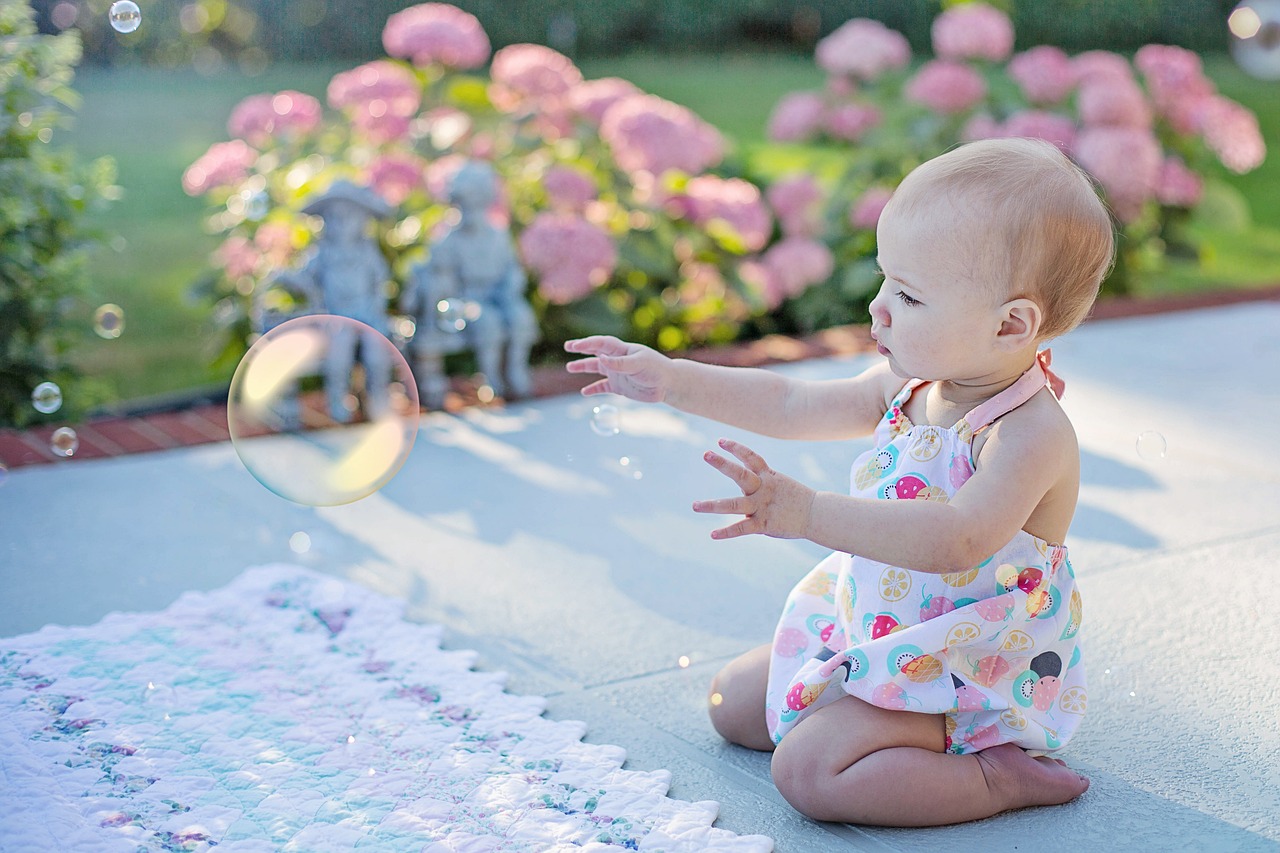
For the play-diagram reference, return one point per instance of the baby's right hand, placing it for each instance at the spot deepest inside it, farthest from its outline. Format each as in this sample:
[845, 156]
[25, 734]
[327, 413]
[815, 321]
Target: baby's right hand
[631, 370]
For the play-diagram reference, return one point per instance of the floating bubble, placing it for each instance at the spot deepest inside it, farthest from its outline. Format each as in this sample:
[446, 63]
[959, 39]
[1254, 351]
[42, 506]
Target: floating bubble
[300, 543]
[46, 398]
[323, 410]
[683, 661]
[605, 420]
[1151, 445]
[64, 441]
[630, 467]
[159, 698]
[125, 16]
[453, 314]
[108, 321]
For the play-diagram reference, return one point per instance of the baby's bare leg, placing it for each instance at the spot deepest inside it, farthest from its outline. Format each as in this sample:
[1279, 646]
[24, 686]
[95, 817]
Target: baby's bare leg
[738, 715]
[856, 763]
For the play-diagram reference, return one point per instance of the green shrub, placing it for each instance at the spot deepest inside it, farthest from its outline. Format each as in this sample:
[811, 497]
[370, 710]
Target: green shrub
[44, 195]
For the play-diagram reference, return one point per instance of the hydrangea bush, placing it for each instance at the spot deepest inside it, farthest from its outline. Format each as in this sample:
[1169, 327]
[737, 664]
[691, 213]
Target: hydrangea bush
[612, 194]
[45, 195]
[1149, 130]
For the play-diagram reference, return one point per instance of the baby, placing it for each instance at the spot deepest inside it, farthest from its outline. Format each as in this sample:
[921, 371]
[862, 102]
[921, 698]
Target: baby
[920, 674]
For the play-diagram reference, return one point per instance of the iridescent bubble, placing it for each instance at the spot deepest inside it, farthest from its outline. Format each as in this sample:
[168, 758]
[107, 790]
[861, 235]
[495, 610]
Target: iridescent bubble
[160, 699]
[108, 321]
[605, 420]
[1151, 445]
[46, 398]
[64, 441]
[300, 542]
[323, 410]
[125, 16]
[630, 467]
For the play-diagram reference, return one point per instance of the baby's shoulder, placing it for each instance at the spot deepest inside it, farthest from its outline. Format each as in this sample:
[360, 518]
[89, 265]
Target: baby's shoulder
[1038, 428]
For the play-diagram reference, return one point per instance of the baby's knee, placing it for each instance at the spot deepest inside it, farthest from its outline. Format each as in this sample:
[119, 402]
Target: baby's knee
[798, 778]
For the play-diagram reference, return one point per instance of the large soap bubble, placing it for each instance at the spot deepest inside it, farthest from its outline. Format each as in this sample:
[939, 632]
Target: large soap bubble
[323, 410]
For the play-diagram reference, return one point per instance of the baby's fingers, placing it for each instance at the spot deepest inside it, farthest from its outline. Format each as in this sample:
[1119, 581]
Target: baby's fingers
[754, 461]
[584, 365]
[724, 506]
[597, 344]
[746, 480]
[746, 527]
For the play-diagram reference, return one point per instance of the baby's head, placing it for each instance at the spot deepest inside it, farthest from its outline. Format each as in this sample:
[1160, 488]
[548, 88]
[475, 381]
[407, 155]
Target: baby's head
[1018, 220]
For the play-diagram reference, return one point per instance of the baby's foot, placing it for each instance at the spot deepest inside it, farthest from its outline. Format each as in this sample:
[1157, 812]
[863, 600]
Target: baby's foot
[1019, 780]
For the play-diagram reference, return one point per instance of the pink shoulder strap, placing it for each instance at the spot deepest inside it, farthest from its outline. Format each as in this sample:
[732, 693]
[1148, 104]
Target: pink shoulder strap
[1037, 376]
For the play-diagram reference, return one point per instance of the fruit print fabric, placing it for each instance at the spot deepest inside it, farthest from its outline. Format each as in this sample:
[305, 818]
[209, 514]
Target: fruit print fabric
[994, 647]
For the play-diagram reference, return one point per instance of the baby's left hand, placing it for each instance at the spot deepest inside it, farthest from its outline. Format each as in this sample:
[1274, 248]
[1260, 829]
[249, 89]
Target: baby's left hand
[773, 503]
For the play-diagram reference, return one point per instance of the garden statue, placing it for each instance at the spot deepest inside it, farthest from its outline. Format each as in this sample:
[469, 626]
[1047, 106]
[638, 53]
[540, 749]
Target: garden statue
[470, 294]
[346, 275]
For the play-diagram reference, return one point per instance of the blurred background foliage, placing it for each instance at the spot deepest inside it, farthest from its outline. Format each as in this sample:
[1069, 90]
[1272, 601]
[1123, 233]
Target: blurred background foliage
[155, 99]
[250, 34]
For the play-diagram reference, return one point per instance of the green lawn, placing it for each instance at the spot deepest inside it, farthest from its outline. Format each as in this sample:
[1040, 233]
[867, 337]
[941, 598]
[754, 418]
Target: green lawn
[155, 123]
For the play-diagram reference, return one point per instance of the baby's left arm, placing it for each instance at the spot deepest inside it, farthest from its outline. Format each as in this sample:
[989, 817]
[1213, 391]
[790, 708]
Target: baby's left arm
[1019, 467]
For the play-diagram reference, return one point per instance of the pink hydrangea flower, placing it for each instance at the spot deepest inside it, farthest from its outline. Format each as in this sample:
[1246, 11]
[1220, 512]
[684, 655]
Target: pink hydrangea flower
[591, 98]
[1093, 65]
[275, 241]
[649, 134]
[1125, 161]
[1231, 132]
[223, 164]
[946, 86]
[396, 176]
[866, 210]
[1038, 124]
[1175, 78]
[1118, 102]
[530, 72]
[981, 126]
[1045, 74]
[392, 84]
[787, 269]
[436, 33]
[797, 202]
[862, 48]
[570, 256]
[973, 31]
[1178, 186]
[733, 201]
[568, 188]
[850, 121]
[797, 117]
[237, 256]
[440, 172]
[258, 118]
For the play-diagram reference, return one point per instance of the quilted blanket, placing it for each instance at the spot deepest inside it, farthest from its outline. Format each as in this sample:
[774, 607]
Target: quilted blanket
[292, 711]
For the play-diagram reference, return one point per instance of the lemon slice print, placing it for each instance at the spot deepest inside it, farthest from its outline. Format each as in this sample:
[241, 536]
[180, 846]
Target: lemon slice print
[962, 632]
[1018, 641]
[1074, 701]
[895, 583]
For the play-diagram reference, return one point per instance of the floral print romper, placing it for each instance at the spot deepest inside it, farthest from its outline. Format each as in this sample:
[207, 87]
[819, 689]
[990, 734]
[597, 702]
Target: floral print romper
[994, 648]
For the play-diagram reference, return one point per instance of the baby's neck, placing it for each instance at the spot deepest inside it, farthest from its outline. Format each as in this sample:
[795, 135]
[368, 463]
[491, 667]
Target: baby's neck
[965, 394]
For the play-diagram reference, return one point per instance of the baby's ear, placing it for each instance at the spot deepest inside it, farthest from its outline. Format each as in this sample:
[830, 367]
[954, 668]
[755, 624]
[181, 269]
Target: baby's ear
[1020, 323]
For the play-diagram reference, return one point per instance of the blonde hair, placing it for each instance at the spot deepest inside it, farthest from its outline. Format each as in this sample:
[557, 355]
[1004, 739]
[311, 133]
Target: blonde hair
[1036, 218]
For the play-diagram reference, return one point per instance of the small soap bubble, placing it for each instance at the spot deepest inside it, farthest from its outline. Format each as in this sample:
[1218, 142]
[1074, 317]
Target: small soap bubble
[683, 661]
[1151, 445]
[64, 441]
[630, 467]
[605, 420]
[46, 398]
[108, 321]
[125, 16]
[335, 444]
[300, 543]
[160, 698]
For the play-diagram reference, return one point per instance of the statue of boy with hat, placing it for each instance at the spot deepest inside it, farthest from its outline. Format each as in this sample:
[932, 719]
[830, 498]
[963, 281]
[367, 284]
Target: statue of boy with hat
[346, 275]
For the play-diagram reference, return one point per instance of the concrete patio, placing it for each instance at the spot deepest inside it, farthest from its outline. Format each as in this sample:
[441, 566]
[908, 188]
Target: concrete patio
[590, 581]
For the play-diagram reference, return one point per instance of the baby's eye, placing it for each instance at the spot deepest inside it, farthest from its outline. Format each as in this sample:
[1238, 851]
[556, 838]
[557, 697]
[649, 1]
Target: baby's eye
[907, 300]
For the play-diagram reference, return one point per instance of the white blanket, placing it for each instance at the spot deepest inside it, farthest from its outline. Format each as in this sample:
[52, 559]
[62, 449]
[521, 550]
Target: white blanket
[292, 711]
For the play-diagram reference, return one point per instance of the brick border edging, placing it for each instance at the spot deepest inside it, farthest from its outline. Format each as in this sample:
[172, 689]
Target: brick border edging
[205, 423]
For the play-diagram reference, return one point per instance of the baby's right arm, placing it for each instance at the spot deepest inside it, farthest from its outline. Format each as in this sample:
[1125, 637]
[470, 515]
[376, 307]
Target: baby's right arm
[761, 401]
